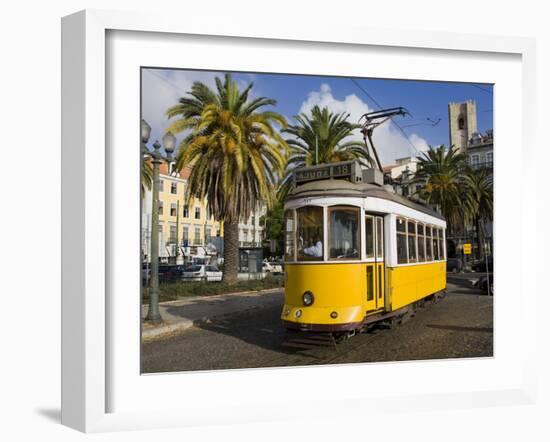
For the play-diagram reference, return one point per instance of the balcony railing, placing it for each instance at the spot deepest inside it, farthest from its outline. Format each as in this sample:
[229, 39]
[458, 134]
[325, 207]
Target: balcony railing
[484, 165]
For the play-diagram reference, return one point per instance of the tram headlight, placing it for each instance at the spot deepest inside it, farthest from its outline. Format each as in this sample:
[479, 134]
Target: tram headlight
[307, 298]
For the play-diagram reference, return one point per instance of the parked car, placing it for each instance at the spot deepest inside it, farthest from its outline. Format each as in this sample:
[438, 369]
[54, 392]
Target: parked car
[481, 266]
[202, 273]
[145, 271]
[481, 283]
[170, 272]
[272, 267]
[454, 265]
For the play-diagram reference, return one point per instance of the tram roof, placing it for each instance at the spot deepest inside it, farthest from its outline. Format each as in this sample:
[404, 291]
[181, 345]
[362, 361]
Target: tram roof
[345, 188]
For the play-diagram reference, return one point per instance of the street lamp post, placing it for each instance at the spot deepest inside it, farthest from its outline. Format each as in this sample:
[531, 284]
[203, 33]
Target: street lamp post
[168, 141]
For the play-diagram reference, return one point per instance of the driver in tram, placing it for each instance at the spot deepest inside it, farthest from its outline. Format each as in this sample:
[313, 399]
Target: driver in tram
[316, 250]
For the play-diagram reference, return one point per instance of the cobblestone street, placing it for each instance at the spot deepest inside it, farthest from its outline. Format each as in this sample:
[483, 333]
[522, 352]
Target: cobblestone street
[459, 326]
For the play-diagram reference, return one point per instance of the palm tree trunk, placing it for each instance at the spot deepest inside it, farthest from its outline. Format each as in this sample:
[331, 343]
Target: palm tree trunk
[479, 238]
[231, 251]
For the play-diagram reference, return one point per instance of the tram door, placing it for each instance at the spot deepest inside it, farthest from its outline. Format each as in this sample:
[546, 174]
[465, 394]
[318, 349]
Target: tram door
[374, 243]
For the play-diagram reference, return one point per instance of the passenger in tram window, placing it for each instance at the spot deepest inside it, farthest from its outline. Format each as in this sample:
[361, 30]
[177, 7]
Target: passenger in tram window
[316, 250]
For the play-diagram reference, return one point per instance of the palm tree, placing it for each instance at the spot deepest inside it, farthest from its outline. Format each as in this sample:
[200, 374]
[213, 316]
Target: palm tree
[478, 201]
[322, 137]
[235, 153]
[441, 171]
[146, 176]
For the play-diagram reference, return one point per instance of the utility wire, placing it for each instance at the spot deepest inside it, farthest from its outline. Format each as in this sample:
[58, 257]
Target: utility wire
[177, 88]
[391, 119]
[482, 88]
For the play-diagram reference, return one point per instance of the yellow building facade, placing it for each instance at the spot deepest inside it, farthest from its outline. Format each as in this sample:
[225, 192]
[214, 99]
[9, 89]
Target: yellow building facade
[179, 223]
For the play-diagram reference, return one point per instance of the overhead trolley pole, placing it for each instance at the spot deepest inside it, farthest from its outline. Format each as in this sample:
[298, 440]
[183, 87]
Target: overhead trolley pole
[375, 119]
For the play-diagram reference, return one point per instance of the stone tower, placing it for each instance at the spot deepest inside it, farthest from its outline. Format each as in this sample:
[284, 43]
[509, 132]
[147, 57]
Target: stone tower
[462, 123]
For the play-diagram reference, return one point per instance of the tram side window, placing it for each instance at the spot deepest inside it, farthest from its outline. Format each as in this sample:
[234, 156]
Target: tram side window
[379, 238]
[435, 242]
[309, 233]
[411, 234]
[441, 244]
[429, 254]
[421, 243]
[369, 236]
[289, 235]
[344, 237]
[401, 241]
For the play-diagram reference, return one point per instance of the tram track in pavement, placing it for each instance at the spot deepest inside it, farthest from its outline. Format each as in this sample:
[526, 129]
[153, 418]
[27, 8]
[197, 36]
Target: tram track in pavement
[332, 353]
[319, 349]
[458, 326]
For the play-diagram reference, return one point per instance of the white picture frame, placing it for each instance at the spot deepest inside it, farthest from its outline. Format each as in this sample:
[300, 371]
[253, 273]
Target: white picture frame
[87, 317]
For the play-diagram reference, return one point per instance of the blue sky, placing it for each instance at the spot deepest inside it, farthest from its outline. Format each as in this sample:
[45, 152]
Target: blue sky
[299, 93]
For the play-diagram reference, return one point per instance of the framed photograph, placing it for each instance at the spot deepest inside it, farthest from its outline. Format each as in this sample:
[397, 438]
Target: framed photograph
[269, 224]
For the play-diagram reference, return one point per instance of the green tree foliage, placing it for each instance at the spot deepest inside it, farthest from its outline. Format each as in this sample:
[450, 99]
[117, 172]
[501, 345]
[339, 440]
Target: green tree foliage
[146, 177]
[322, 137]
[236, 154]
[441, 171]
[275, 225]
[478, 201]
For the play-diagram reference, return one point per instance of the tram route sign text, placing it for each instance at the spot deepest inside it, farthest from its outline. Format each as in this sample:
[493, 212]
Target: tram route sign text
[342, 170]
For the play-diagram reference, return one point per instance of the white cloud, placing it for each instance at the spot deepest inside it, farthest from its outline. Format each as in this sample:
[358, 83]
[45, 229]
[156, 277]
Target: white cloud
[161, 89]
[390, 143]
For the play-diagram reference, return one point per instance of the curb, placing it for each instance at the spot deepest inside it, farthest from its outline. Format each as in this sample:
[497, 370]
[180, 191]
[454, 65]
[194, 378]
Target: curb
[185, 324]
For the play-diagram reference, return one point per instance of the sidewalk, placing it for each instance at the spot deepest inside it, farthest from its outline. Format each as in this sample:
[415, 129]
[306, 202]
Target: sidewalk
[185, 313]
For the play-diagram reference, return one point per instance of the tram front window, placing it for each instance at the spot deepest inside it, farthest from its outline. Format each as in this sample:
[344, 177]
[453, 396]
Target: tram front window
[309, 233]
[344, 242]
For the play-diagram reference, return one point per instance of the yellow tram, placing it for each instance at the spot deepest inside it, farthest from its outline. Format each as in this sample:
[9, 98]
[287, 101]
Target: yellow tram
[356, 253]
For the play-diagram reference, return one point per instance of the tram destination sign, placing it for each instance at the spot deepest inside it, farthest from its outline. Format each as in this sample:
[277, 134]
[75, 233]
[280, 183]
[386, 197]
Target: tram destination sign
[349, 170]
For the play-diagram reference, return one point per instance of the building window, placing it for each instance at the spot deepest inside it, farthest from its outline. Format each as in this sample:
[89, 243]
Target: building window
[173, 188]
[490, 158]
[186, 211]
[369, 236]
[161, 185]
[185, 233]
[401, 228]
[173, 209]
[197, 238]
[474, 160]
[172, 238]
[208, 232]
[411, 235]
[421, 243]
[344, 236]
[161, 207]
[309, 233]
[197, 213]
[289, 235]
[461, 122]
